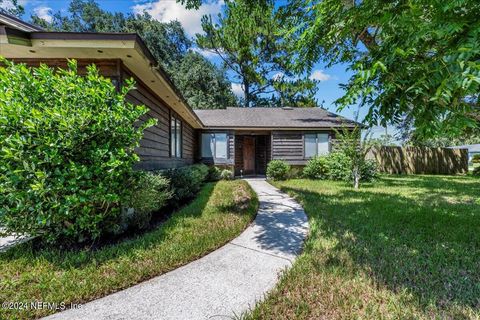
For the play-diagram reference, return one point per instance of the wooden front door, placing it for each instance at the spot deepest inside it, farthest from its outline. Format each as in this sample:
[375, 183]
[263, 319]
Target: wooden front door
[248, 155]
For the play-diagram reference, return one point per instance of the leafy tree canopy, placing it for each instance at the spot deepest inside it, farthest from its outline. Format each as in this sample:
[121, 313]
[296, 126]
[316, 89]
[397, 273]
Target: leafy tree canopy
[12, 7]
[167, 41]
[247, 39]
[414, 60]
[191, 78]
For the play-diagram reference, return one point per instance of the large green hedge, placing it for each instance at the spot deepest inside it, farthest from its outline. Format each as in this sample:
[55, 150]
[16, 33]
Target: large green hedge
[66, 144]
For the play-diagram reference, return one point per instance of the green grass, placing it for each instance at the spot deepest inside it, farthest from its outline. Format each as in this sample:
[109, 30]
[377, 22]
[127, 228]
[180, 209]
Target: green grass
[405, 247]
[219, 213]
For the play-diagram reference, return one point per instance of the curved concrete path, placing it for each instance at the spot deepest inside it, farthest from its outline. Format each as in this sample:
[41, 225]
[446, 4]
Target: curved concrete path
[222, 284]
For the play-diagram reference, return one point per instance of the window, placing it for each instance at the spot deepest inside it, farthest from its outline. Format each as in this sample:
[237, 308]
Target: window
[316, 144]
[214, 145]
[175, 137]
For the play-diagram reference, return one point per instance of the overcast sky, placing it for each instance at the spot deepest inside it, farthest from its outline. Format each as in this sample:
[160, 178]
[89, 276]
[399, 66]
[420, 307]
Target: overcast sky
[167, 10]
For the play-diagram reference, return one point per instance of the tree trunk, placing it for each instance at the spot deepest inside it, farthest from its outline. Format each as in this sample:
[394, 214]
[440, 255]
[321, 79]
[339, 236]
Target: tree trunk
[246, 92]
[356, 177]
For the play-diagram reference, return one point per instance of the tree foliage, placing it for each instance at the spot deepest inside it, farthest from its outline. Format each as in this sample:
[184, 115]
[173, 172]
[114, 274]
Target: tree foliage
[12, 7]
[247, 39]
[355, 148]
[414, 60]
[67, 148]
[193, 80]
[167, 41]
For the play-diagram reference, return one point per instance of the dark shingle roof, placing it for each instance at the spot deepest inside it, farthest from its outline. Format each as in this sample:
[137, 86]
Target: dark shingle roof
[272, 118]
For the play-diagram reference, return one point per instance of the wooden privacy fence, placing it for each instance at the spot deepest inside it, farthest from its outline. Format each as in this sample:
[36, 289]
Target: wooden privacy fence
[420, 160]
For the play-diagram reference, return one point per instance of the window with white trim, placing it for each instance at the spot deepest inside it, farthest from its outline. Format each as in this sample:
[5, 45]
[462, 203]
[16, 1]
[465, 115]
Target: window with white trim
[316, 144]
[214, 145]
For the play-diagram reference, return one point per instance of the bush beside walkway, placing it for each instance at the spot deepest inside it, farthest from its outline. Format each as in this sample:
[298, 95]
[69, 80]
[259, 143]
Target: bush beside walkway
[220, 212]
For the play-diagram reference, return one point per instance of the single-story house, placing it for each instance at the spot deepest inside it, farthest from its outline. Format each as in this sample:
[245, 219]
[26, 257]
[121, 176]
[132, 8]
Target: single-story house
[473, 149]
[244, 139]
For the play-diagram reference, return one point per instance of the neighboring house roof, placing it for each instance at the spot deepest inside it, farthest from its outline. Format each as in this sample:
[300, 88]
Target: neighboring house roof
[273, 118]
[471, 147]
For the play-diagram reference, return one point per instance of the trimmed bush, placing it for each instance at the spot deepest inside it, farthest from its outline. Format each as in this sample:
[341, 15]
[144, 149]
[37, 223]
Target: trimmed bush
[226, 174]
[476, 158]
[316, 168]
[278, 170]
[339, 166]
[476, 171]
[369, 170]
[148, 193]
[66, 143]
[214, 173]
[186, 182]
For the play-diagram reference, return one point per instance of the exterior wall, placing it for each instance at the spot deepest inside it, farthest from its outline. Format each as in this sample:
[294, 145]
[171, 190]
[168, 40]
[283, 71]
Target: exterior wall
[238, 154]
[289, 146]
[154, 150]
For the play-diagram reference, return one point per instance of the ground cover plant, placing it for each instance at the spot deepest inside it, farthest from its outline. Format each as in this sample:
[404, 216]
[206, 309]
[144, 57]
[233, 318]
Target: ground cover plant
[219, 213]
[405, 247]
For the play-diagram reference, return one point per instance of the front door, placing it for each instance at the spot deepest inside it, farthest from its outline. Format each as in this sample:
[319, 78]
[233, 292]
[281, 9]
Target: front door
[248, 155]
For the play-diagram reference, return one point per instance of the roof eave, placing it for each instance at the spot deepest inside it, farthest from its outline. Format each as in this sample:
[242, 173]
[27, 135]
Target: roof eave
[100, 40]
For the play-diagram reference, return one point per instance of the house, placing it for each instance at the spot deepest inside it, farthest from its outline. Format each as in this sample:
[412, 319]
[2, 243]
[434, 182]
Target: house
[244, 139]
[473, 149]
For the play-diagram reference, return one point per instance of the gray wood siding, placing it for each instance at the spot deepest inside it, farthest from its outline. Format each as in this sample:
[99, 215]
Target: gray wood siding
[289, 146]
[154, 149]
[238, 154]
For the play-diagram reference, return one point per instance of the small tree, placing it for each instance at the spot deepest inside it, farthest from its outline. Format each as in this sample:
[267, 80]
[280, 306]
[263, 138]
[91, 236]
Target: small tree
[67, 148]
[350, 143]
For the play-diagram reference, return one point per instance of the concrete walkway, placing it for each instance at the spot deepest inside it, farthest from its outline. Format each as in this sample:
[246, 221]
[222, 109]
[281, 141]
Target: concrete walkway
[10, 241]
[222, 284]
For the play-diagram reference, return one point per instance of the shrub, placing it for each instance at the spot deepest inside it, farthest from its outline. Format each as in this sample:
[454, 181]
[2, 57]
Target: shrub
[149, 192]
[214, 173]
[476, 171]
[67, 146]
[186, 182]
[278, 170]
[295, 172]
[316, 168]
[476, 158]
[368, 171]
[339, 166]
[226, 174]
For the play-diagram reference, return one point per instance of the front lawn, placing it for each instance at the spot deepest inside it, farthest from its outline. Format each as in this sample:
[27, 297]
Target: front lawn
[220, 212]
[405, 247]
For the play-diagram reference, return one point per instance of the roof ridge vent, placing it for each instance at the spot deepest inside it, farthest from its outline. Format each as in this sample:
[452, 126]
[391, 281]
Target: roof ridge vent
[287, 108]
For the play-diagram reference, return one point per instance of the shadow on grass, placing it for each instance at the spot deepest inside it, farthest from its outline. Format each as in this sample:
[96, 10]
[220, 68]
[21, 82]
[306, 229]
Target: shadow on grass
[143, 240]
[403, 242]
[455, 185]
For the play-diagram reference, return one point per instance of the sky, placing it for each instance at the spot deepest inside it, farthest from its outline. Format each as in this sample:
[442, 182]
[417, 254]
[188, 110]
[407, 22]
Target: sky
[167, 10]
